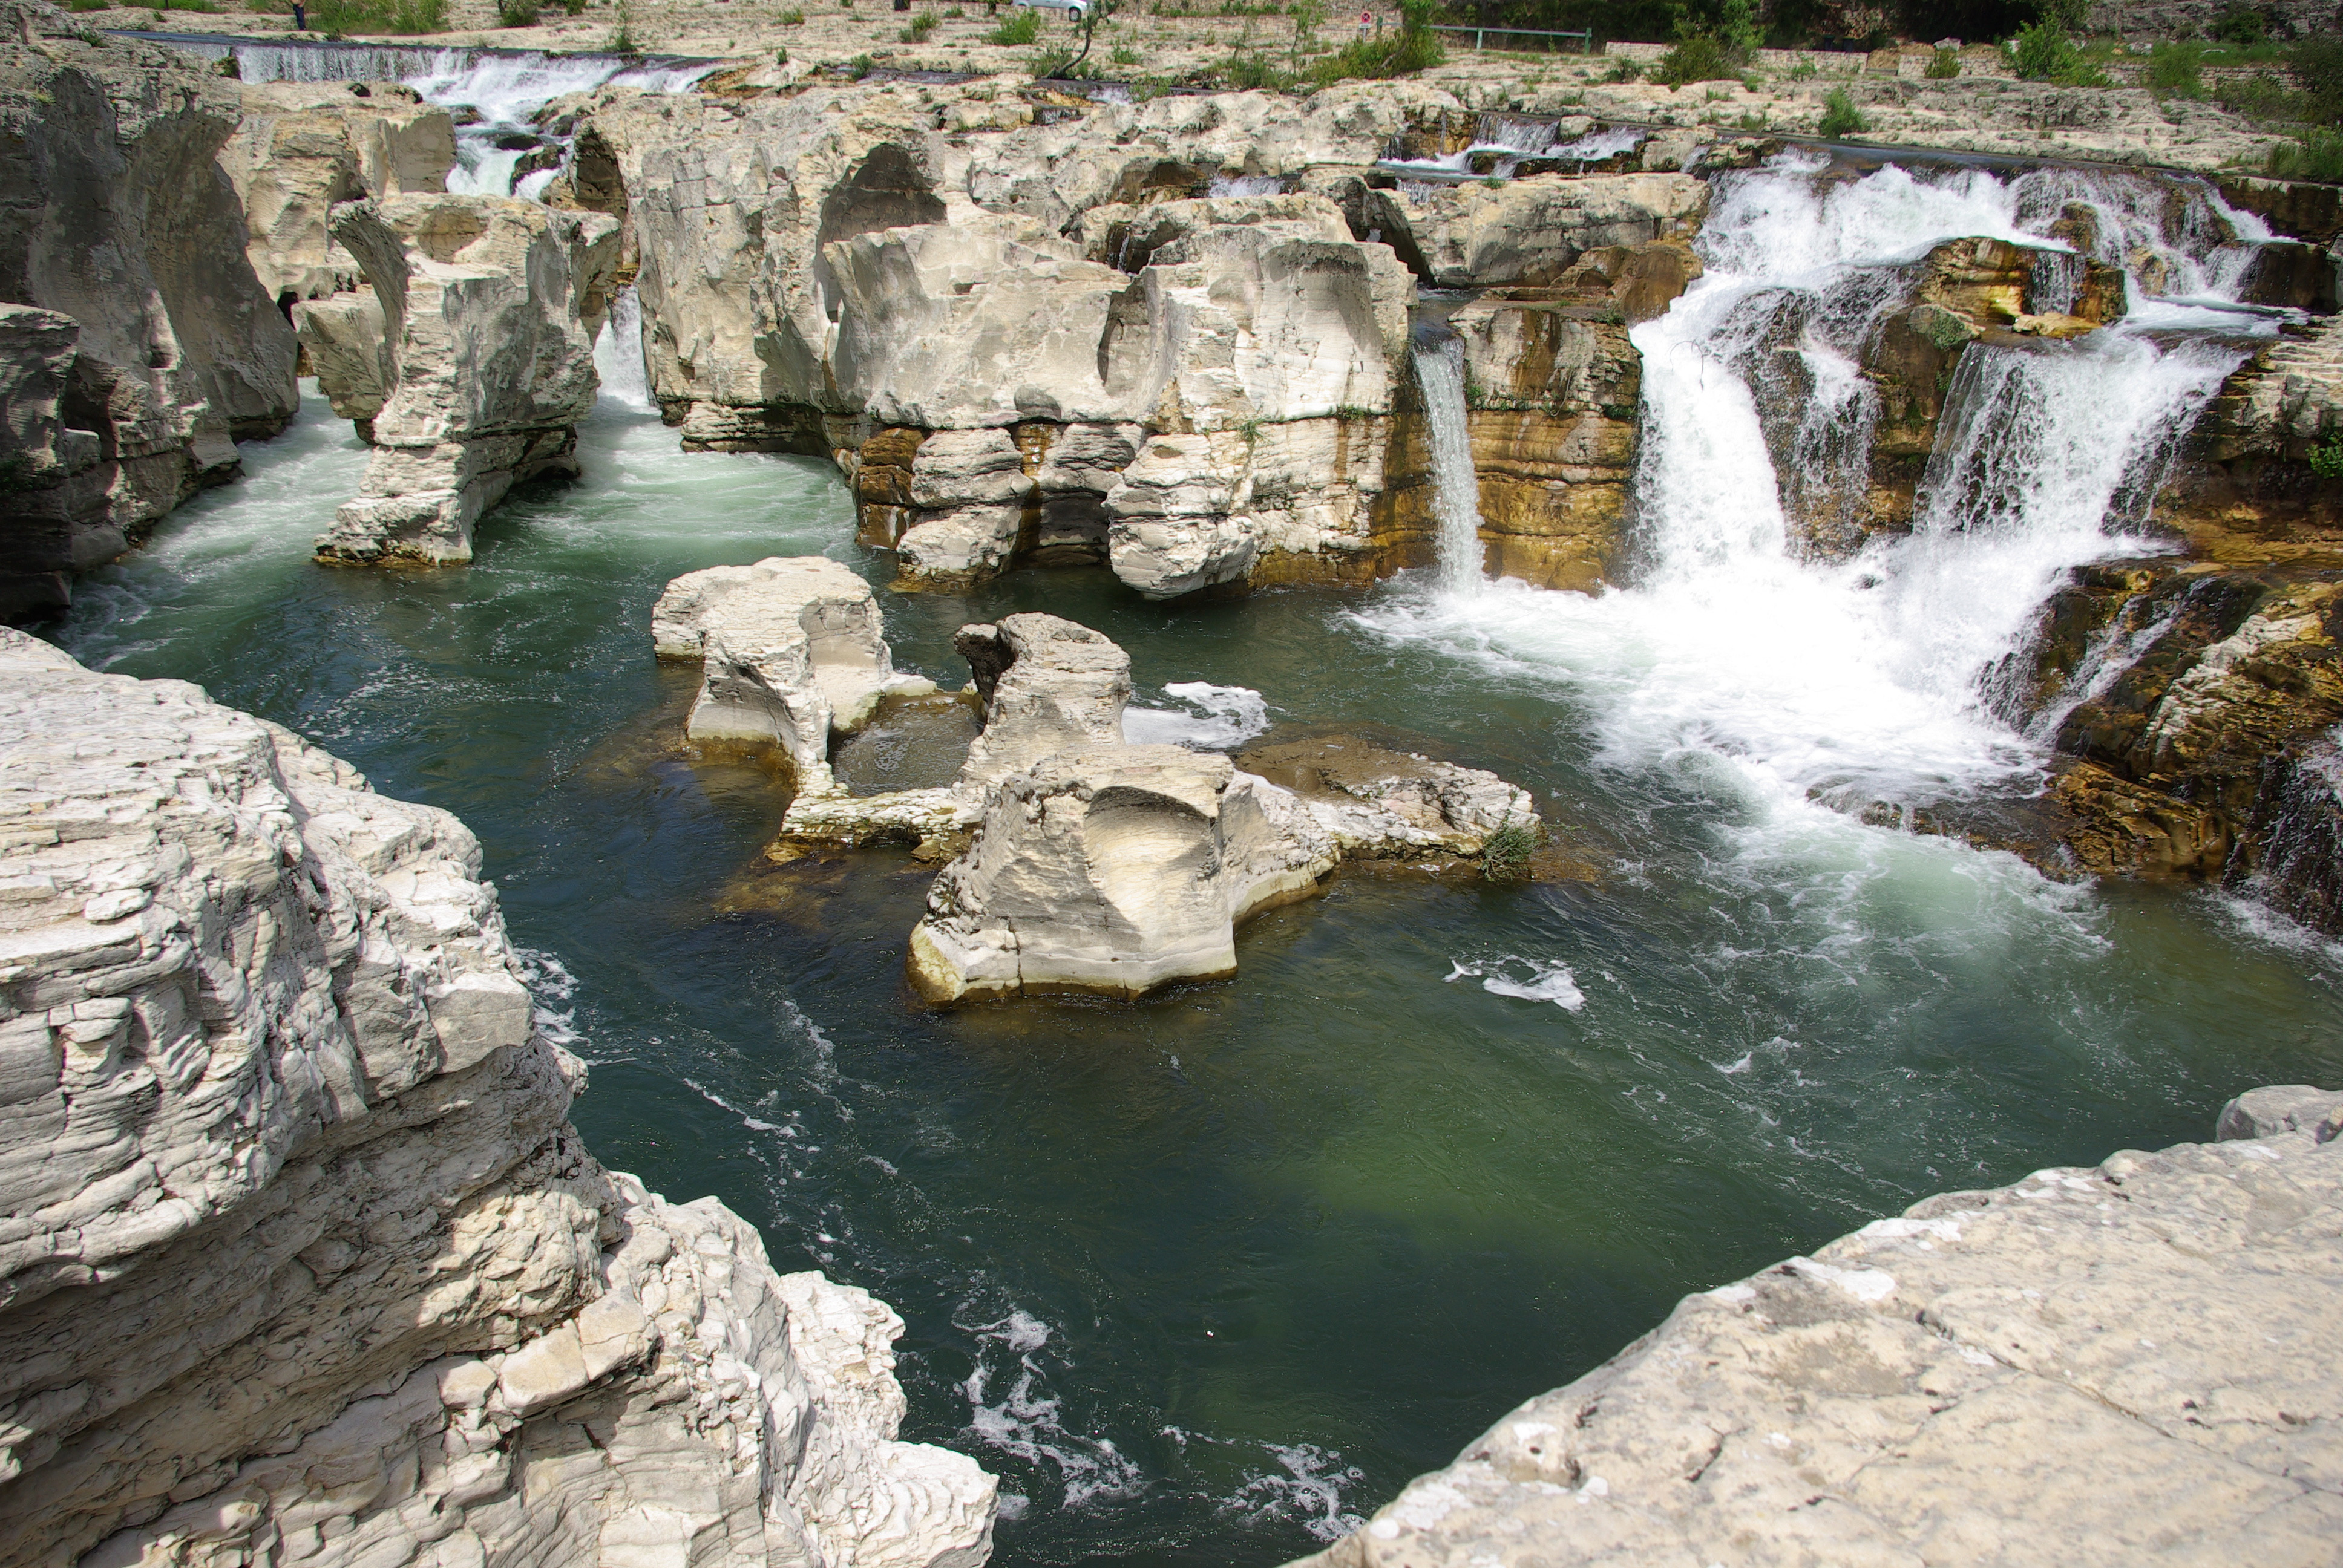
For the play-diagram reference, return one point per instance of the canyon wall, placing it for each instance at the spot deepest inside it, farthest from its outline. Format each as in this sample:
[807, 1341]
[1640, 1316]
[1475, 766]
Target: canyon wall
[137, 346]
[2121, 1364]
[299, 1257]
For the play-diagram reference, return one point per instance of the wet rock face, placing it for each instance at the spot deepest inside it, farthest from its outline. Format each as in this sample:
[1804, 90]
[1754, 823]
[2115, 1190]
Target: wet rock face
[301, 1250]
[467, 363]
[119, 220]
[2144, 1343]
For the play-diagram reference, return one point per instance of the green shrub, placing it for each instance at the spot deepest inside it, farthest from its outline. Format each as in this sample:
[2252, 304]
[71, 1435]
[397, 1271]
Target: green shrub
[859, 67]
[1943, 66]
[793, 19]
[2319, 66]
[2327, 461]
[401, 16]
[1123, 55]
[780, 57]
[1804, 71]
[2262, 97]
[1413, 47]
[1840, 116]
[1254, 72]
[922, 26]
[517, 13]
[1505, 853]
[1016, 31]
[78, 6]
[2046, 51]
[2242, 25]
[2176, 70]
[2317, 156]
[1626, 70]
[1701, 58]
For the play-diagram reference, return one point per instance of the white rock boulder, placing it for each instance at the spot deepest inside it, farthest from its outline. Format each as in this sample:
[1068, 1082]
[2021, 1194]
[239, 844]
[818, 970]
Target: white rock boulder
[791, 650]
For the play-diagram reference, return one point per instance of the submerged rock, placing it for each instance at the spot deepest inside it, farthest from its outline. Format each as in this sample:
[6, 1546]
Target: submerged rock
[2135, 1357]
[139, 346]
[466, 365]
[792, 652]
[302, 1250]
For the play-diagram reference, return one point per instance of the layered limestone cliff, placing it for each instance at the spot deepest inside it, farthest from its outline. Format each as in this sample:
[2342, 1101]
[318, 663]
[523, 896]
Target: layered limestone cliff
[2127, 1363]
[299, 1257]
[1031, 331]
[137, 346]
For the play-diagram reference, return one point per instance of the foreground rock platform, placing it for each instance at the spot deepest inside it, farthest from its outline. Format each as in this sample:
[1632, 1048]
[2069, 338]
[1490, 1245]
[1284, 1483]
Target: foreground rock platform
[2131, 1363]
[300, 1259]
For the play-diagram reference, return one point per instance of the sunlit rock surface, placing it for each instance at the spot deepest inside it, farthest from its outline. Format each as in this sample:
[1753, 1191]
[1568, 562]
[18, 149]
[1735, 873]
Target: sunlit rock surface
[467, 364]
[792, 652]
[304, 147]
[2125, 1364]
[157, 350]
[299, 1257]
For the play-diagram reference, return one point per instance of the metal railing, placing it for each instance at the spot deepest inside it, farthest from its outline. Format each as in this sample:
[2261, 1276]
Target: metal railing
[1585, 39]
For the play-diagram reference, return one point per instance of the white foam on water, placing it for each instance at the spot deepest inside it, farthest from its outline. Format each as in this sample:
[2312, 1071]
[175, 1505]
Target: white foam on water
[1211, 718]
[551, 984]
[1010, 1410]
[1306, 1487]
[1546, 980]
[1245, 185]
[1456, 488]
[619, 353]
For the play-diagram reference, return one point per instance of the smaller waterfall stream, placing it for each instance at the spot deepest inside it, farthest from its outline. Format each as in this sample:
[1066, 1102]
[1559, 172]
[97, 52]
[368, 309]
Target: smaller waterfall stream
[1456, 489]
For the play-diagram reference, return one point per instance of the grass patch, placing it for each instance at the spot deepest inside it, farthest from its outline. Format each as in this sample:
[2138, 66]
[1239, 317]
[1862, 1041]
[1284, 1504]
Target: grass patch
[406, 17]
[1413, 47]
[1018, 31]
[1505, 853]
[517, 13]
[791, 18]
[1840, 116]
[1943, 66]
[2046, 51]
[922, 26]
[2317, 156]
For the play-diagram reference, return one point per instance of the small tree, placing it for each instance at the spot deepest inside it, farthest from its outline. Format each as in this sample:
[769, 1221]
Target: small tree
[1096, 12]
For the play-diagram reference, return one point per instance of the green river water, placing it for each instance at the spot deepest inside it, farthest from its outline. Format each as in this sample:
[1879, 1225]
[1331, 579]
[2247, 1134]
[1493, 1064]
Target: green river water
[1200, 1277]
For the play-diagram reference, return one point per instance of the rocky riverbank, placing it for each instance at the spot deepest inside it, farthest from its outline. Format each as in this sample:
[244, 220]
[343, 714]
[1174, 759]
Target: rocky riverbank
[298, 1252]
[2124, 1363]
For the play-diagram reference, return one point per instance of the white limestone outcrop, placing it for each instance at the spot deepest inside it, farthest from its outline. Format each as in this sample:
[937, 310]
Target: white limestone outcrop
[1095, 865]
[2130, 1364]
[299, 1257]
[1115, 870]
[136, 334]
[468, 364]
[305, 146]
[792, 652]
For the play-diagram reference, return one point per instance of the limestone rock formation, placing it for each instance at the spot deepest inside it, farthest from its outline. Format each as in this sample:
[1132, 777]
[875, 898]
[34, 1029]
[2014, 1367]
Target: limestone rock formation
[466, 365]
[305, 146]
[299, 1256]
[2135, 1357]
[1378, 803]
[157, 350]
[1114, 870]
[792, 652]
[1534, 231]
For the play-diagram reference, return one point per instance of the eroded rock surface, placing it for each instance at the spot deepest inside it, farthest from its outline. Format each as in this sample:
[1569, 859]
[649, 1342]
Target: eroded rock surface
[304, 147]
[792, 652]
[298, 1253]
[467, 363]
[2134, 1357]
[144, 346]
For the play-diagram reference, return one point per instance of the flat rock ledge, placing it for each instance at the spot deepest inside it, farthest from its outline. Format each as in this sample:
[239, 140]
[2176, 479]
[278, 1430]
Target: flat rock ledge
[2134, 1363]
[300, 1259]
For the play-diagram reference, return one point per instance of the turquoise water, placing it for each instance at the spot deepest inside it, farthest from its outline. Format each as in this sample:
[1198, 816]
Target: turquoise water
[1199, 1277]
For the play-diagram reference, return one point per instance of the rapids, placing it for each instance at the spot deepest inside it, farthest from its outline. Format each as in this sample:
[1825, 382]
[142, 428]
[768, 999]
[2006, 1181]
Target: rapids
[1205, 1279]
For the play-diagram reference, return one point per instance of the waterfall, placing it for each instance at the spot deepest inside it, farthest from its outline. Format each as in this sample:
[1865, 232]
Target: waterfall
[503, 88]
[619, 353]
[1456, 489]
[1858, 677]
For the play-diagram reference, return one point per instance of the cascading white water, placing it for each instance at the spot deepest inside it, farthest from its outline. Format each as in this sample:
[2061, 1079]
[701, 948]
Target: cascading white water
[619, 353]
[1456, 504]
[1501, 142]
[505, 88]
[1859, 680]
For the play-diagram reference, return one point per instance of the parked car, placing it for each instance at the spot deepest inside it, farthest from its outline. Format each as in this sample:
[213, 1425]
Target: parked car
[1075, 9]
